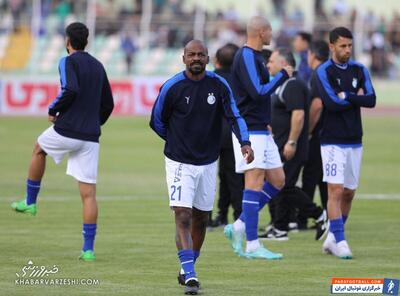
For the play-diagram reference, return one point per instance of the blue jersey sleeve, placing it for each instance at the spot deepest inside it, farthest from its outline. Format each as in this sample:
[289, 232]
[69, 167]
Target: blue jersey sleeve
[328, 95]
[69, 87]
[369, 98]
[251, 78]
[236, 121]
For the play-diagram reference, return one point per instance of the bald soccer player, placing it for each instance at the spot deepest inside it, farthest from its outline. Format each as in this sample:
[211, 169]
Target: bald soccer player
[188, 115]
[264, 177]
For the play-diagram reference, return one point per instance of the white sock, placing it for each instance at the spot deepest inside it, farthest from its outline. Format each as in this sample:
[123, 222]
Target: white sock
[252, 245]
[239, 226]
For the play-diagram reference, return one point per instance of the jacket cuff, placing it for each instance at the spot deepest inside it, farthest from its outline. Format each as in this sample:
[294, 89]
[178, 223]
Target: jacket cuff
[244, 143]
[52, 112]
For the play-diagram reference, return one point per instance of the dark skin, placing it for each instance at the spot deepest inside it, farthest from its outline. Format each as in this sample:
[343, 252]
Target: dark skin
[190, 223]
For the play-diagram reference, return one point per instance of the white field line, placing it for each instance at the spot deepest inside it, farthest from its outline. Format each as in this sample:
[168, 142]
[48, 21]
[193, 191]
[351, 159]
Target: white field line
[367, 196]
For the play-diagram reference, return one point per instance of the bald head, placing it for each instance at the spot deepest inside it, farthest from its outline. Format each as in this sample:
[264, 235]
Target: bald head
[256, 25]
[195, 57]
[195, 44]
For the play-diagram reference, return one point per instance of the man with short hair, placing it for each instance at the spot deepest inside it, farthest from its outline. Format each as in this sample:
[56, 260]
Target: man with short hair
[301, 44]
[84, 104]
[264, 178]
[188, 115]
[312, 171]
[289, 123]
[345, 86]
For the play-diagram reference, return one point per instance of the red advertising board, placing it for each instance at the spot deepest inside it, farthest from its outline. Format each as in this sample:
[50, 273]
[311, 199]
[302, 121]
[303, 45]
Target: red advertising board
[29, 96]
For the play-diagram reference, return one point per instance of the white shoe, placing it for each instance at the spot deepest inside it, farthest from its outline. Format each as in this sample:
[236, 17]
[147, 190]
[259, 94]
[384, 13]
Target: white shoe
[328, 243]
[342, 250]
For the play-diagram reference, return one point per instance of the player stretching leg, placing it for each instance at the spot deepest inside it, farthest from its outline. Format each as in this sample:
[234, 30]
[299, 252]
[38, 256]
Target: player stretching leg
[85, 103]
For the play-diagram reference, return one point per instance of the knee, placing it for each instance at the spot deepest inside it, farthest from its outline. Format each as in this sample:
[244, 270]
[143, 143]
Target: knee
[183, 218]
[37, 150]
[280, 183]
[336, 192]
[348, 195]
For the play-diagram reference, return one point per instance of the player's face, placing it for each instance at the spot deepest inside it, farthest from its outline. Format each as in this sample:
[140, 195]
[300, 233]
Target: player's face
[275, 63]
[195, 58]
[341, 49]
[266, 35]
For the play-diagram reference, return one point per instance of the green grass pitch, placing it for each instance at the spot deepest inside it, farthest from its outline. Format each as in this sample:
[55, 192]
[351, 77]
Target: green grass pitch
[135, 242]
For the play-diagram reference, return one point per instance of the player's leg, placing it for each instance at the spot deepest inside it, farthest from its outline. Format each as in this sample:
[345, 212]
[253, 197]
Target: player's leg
[181, 182]
[351, 179]
[48, 143]
[334, 163]
[82, 165]
[35, 174]
[89, 213]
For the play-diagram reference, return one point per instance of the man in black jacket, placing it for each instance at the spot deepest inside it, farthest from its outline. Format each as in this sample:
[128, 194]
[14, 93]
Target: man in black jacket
[289, 121]
[83, 105]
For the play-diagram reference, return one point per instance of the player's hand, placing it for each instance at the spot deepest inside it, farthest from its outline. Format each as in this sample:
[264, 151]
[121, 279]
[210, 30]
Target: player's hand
[360, 92]
[289, 70]
[342, 95]
[289, 151]
[52, 118]
[248, 153]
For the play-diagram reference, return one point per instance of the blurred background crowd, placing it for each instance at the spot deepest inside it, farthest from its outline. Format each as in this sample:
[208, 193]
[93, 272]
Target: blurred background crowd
[145, 37]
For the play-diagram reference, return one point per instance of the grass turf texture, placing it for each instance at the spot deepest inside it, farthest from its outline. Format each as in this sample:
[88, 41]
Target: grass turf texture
[135, 247]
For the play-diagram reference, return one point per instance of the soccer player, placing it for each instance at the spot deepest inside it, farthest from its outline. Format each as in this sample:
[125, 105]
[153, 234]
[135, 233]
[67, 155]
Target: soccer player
[85, 103]
[188, 115]
[345, 86]
[252, 88]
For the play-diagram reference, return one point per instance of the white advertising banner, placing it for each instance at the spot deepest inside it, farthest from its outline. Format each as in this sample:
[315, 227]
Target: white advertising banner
[32, 96]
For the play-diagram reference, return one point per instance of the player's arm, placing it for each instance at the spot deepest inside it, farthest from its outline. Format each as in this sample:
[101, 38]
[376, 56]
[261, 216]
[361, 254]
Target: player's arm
[251, 78]
[69, 88]
[366, 97]
[315, 113]
[330, 98]
[160, 113]
[294, 99]
[238, 124]
[107, 101]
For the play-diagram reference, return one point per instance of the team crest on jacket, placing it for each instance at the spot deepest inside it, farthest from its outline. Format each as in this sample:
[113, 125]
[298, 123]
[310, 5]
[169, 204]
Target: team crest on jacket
[211, 98]
[354, 82]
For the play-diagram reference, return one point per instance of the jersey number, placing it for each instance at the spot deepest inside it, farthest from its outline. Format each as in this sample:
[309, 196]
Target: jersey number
[330, 169]
[176, 191]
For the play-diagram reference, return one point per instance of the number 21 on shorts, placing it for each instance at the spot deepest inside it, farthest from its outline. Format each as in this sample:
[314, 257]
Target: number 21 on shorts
[330, 169]
[176, 192]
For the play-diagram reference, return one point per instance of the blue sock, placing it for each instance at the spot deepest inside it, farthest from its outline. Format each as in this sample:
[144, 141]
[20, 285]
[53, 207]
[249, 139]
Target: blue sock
[32, 191]
[89, 233]
[269, 192]
[337, 229]
[344, 218]
[186, 257]
[196, 255]
[250, 206]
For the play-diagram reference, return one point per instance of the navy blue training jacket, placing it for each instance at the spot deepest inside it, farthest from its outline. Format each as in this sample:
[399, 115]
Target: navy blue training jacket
[252, 88]
[341, 119]
[188, 116]
[85, 101]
